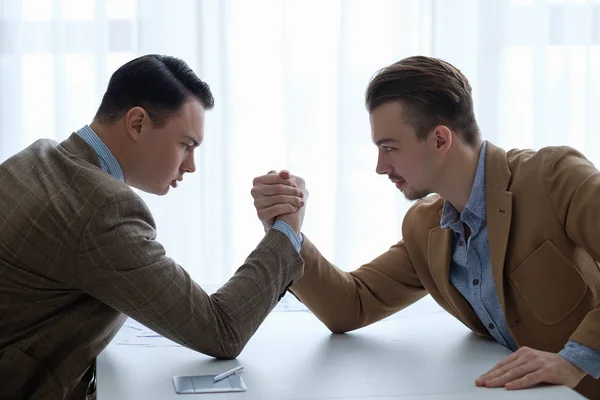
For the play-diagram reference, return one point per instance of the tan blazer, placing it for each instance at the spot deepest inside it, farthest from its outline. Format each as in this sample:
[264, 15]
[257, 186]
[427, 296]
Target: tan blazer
[543, 216]
[78, 254]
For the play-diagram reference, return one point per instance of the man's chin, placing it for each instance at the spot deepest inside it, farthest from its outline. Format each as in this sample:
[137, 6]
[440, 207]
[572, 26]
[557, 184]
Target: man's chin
[163, 191]
[412, 195]
[153, 190]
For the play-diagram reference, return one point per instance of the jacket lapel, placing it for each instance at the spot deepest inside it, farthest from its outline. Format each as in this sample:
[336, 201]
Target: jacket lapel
[498, 211]
[439, 251]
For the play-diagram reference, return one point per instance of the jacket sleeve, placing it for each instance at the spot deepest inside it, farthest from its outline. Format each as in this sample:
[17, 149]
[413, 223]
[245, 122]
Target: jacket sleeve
[573, 187]
[120, 263]
[344, 301]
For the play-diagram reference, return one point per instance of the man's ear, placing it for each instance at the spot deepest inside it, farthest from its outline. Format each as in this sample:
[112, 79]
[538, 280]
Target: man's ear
[442, 139]
[135, 120]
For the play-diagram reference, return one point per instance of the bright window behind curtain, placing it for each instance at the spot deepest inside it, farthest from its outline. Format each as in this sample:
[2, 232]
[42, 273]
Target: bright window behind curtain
[289, 78]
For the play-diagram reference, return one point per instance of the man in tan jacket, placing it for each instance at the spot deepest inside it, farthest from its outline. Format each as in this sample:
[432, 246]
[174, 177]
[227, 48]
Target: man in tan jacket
[78, 249]
[508, 244]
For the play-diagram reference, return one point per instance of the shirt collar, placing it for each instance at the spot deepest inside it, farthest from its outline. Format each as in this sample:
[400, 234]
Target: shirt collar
[108, 162]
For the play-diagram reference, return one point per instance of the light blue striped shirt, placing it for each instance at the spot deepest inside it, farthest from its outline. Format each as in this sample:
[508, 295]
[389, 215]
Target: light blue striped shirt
[471, 272]
[110, 165]
[108, 162]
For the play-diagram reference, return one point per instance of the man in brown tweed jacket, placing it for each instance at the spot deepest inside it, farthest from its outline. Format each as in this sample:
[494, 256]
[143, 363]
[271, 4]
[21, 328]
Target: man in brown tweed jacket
[77, 246]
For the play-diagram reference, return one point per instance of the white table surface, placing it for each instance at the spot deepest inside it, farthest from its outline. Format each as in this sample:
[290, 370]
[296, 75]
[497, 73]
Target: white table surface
[412, 355]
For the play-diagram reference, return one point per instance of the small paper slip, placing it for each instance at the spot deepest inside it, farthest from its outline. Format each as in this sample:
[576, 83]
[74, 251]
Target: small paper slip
[205, 384]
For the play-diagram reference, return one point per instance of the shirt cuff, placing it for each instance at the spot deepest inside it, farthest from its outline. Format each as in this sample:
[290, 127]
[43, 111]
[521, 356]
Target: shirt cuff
[289, 232]
[584, 358]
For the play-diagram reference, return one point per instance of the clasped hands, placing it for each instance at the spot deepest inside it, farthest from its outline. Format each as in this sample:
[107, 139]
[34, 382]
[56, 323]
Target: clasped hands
[280, 196]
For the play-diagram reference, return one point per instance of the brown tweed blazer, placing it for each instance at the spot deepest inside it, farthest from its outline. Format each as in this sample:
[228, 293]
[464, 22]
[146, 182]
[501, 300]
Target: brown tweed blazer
[78, 255]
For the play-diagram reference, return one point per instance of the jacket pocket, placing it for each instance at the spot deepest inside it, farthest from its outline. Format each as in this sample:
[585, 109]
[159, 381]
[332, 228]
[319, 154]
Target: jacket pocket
[549, 284]
[22, 376]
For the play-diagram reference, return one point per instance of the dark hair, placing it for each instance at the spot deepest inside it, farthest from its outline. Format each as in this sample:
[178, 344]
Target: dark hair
[159, 84]
[432, 91]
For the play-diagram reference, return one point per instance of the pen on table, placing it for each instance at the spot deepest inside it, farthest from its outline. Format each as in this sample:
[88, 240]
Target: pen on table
[228, 373]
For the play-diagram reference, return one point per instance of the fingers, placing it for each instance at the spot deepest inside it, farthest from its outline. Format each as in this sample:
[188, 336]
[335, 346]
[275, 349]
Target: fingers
[512, 374]
[514, 360]
[506, 361]
[534, 378]
[277, 193]
[273, 179]
[276, 210]
[275, 190]
[268, 201]
[501, 369]
[528, 367]
[285, 174]
[497, 370]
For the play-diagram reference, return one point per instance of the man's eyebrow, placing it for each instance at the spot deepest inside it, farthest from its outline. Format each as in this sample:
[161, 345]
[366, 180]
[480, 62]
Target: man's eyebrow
[381, 142]
[194, 141]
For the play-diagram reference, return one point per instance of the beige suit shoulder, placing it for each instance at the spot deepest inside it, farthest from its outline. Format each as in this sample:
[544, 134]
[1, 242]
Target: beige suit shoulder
[539, 157]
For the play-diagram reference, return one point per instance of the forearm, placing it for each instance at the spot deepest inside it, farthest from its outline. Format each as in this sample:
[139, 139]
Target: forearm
[329, 293]
[132, 275]
[243, 303]
[344, 301]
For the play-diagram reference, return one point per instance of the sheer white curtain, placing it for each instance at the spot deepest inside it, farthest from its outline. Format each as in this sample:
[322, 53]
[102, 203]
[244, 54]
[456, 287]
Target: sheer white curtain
[289, 78]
